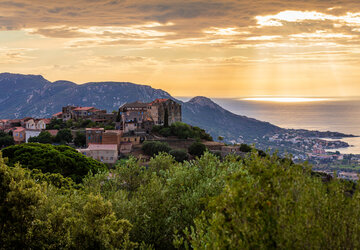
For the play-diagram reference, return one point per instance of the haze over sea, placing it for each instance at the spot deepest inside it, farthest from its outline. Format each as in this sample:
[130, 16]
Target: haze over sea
[323, 114]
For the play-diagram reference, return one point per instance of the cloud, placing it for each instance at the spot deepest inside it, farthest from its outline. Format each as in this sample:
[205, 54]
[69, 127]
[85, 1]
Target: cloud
[14, 55]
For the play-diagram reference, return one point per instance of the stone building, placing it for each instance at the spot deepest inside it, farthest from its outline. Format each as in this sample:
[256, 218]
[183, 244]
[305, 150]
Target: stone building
[85, 113]
[94, 135]
[160, 108]
[139, 116]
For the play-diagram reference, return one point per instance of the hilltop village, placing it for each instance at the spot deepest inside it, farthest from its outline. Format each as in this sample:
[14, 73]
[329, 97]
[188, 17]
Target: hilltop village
[107, 137]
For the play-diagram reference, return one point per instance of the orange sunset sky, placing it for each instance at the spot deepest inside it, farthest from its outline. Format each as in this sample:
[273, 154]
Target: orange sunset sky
[216, 48]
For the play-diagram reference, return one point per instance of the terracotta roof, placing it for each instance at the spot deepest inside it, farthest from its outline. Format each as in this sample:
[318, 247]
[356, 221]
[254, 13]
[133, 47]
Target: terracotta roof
[57, 114]
[87, 129]
[15, 120]
[19, 129]
[84, 108]
[26, 119]
[46, 120]
[53, 132]
[135, 105]
[159, 100]
[102, 147]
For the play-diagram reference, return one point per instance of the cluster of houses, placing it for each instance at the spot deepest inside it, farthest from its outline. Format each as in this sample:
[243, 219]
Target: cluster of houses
[133, 123]
[23, 129]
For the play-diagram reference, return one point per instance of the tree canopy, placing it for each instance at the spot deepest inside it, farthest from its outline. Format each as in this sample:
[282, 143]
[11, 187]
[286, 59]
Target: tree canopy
[254, 202]
[53, 159]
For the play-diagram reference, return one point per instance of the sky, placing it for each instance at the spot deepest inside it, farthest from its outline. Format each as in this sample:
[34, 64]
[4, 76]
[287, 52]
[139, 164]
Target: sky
[215, 48]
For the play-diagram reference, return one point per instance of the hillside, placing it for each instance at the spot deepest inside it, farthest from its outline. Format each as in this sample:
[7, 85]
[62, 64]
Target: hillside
[33, 95]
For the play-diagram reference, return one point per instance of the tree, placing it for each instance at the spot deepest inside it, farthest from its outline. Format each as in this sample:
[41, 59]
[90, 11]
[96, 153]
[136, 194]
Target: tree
[166, 118]
[80, 139]
[179, 155]
[272, 203]
[44, 137]
[53, 159]
[64, 136]
[245, 148]
[152, 148]
[220, 138]
[6, 139]
[197, 149]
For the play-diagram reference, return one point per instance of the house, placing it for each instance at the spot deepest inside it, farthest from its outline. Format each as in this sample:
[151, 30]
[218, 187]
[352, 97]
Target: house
[125, 147]
[94, 135]
[85, 113]
[38, 124]
[31, 133]
[4, 124]
[112, 137]
[106, 153]
[15, 123]
[19, 135]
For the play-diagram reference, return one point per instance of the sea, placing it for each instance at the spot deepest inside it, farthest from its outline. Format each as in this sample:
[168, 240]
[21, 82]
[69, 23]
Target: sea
[323, 114]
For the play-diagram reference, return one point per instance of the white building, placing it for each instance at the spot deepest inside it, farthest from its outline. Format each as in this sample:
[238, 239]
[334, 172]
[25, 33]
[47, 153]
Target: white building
[31, 133]
[106, 153]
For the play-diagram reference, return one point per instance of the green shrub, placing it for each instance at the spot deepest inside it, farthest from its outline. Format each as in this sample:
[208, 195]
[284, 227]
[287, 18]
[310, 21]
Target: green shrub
[152, 148]
[197, 149]
[245, 148]
[64, 136]
[80, 139]
[179, 155]
[165, 132]
[6, 139]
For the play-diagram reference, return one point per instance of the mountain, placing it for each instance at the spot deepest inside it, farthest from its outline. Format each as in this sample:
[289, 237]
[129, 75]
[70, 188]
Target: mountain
[203, 112]
[32, 95]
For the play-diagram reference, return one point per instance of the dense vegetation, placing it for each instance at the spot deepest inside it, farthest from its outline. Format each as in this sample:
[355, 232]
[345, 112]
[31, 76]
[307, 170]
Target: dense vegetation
[182, 131]
[252, 203]
[152, 148]
[6, 139]
[70, 124]
[53, 159]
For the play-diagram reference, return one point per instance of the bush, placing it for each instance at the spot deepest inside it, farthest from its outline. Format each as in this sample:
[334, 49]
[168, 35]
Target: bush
[53, 159]
[80, 139]
[6, 139]
[64, 136]
[182, 131]
[245, 148]
[179, 155]
[197, 149]
[152, 148]
[165, 132]
[44, 137]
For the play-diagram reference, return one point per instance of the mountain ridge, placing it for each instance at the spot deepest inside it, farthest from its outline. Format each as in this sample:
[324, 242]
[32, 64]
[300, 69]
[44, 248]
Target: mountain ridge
[33, 95]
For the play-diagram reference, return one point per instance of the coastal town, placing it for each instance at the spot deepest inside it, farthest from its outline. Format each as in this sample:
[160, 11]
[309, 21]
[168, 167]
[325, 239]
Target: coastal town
[110, 136]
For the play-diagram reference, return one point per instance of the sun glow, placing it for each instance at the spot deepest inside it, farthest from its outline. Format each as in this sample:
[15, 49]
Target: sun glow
[285, 99]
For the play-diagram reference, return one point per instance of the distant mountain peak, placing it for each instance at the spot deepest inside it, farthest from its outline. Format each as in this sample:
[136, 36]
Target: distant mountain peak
[204, 101]
[8, 75]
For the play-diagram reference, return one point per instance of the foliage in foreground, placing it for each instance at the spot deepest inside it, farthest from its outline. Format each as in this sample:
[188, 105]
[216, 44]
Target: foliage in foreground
[37, 215]
[256, 202]
[53, 159]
